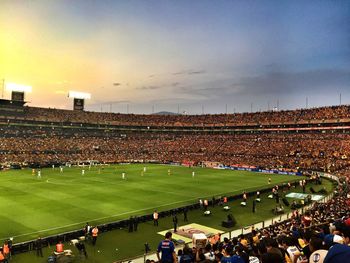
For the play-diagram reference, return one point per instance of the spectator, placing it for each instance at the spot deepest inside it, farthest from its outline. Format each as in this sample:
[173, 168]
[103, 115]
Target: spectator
[167, 250]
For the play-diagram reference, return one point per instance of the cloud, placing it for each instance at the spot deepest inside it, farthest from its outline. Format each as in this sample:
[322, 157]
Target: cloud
[196, 72]
[148, 87]
[327, 81]
[190, 72]
[321, 80]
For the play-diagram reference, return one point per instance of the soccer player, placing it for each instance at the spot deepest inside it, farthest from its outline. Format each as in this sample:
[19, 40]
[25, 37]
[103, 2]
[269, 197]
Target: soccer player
[144, 169]
[39, 174]
[123, 176]
[82, 172]
[193, 174]
[269, 180]
[61, 169]
[169, 172]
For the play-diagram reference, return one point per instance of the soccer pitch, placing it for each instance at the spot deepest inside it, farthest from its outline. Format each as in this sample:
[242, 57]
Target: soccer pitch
[62, 201]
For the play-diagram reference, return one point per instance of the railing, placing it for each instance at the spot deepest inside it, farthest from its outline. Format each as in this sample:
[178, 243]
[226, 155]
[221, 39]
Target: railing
[271, 221]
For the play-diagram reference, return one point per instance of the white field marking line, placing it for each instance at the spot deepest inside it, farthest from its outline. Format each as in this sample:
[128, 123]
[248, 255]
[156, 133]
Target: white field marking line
[125, 213]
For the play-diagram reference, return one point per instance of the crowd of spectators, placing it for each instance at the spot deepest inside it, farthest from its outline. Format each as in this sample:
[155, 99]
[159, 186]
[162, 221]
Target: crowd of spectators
[321, 234]
[334, 113]
[45, 144]
[300, 151]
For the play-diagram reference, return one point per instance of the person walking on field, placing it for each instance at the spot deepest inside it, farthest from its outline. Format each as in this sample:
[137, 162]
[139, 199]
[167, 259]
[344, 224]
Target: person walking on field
[245, 197]
[87, 230]
[155, 218]
[94, 235]
[185, 214]
[175, 223]
[205, 204]
[39, 247]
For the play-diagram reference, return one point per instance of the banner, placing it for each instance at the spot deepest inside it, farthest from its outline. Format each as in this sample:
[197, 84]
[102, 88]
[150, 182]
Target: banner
[250, 169]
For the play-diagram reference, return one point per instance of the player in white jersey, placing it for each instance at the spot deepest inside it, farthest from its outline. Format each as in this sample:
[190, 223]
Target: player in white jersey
[82, 172]
[123, 176]
[39, 174]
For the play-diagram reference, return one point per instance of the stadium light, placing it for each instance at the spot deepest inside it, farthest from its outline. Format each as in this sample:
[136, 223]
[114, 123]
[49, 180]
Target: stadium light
[18, 87]
[79, 95]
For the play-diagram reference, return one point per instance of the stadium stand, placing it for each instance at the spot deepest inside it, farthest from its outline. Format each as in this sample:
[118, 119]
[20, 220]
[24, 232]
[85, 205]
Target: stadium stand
[321, 234]
[44, 136]
[330, 114]
[300, 140]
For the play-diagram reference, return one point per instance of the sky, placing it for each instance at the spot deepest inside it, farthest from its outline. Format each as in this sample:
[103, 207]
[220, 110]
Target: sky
[198, 56]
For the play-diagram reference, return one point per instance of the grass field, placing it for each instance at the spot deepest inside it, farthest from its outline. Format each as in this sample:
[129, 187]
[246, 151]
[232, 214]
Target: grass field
[58, 202]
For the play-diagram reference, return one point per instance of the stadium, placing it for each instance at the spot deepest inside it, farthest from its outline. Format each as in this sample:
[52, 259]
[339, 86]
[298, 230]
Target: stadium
[174, 132]
[131, 169]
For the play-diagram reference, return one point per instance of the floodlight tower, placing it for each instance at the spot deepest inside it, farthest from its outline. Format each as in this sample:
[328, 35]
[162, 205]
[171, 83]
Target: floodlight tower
[79, 99]
[18, 91]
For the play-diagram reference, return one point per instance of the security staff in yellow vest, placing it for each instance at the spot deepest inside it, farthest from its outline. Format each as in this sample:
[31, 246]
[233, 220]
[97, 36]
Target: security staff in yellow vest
[6, 250]
[2, 258]
[155, 218]
[94, 235]
[59, 247]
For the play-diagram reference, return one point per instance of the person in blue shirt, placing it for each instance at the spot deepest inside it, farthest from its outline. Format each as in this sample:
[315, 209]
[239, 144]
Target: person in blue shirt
[229, 258]
[167, 248]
